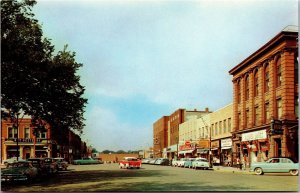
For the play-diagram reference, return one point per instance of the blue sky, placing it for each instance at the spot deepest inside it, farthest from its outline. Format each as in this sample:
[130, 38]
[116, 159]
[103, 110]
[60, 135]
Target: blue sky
[145, 59]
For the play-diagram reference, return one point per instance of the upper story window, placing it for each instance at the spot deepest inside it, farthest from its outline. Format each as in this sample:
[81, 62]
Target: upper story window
[216, 128]
[239, 92]
[247, 118]
[278, 73]
[26, 133]
[267, 111]
[279, 108]
[267, 78]
[247, 87]
[239, 122]
[297, 106]
[256, 83]
[12, 132]
[296, 68]
[256, 114]
[224, 126]
[229, 124]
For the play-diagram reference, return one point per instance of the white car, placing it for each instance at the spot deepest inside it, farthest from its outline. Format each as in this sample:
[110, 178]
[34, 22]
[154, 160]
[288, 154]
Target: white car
[201, 163]
[12, 160]
[181, 162]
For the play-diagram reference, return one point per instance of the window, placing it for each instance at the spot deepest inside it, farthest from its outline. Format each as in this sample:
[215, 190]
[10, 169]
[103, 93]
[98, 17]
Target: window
[278, 73]
[256, 83]
[229, 124]
[267, 78]
[247, 118]
[224, 126]
[239, 120]
[279, 108]
[12, 132]
[239, 92]
[296, 68]
[212, 127]
[297, 106]
[256, 114]
[26, 133]
[267, 111]
[220, 127]
[247, 87]
[216, 128]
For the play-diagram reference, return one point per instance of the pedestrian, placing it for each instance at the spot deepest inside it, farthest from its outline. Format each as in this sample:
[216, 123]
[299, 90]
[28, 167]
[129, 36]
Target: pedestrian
[244, 161]
[238, 163]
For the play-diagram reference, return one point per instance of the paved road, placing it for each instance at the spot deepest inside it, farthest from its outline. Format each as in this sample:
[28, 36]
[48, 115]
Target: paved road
[108, 177]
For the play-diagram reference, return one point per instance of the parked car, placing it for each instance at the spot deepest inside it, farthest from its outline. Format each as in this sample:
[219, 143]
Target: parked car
[152, 161]
[12, 160]
[86, 160]
[189, 162]
[61, 163]
[174, 163]
[51, 165]
[146, 160]
[181, 162]
[40, 164]
[162, 161]
[201, 163]
[19, 171]
[130, 162]
[275, 165]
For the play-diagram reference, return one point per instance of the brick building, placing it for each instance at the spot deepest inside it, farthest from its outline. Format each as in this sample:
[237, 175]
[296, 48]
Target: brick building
[265, 92]
[160, 136]
[23, 140]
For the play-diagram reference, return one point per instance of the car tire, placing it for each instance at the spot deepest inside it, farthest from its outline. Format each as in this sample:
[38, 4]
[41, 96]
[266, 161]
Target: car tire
[294, 172]
[258, 171]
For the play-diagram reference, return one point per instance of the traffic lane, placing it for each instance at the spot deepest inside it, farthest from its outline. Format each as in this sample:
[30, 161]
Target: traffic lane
[108, 177]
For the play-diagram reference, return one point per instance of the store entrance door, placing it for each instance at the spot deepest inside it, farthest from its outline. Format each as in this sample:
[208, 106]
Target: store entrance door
[277, 148]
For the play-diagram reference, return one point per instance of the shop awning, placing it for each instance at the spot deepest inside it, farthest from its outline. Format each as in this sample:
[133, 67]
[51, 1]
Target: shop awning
[202, 151]
[214, 149]
[186, 151]
[226, 148]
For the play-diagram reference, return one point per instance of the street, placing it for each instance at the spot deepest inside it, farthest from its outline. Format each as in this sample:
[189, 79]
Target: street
[108, 177]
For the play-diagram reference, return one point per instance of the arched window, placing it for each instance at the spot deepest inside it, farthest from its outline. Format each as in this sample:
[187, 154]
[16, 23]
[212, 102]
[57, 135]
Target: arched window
[239, 91]
[256, 83]
[247, 87]
[267, 78]
[278, 73]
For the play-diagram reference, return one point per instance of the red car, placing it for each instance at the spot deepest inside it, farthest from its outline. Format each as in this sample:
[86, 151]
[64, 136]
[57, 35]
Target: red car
[130, 162]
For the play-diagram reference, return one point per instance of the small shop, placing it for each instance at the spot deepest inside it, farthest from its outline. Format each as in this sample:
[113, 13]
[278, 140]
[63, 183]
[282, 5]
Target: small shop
[203, 149]
[172, 152]
[215, 149]
[226, 152]
[255, 147]
[187, 150]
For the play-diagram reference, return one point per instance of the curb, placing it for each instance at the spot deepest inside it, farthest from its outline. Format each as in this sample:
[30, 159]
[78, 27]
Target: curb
[246, 172]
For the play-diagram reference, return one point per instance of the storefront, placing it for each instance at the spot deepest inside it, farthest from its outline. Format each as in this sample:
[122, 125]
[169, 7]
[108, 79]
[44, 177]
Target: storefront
[215, 149]
[203, 149]
[187, 150]
[172, 152]
[254, 147]
[226, 152]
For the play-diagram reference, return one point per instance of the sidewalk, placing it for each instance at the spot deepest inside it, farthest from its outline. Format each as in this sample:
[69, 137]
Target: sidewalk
[232, 170]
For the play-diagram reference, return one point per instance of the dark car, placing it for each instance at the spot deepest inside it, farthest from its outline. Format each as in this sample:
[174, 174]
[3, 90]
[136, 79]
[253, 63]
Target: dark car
[19, 171]
[61, 163]
[51, 165]
[162, 161]
[39, 163]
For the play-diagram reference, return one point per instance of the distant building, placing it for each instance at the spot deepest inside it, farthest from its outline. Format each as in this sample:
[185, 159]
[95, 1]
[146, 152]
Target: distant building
[160, 136]
[266, 92]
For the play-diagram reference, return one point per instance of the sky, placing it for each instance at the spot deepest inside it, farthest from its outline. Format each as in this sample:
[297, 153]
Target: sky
[145, 59]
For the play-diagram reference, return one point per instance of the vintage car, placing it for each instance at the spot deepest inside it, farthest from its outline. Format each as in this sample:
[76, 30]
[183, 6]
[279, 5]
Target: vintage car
[130, 162]
[200, 163]
[146, 160]
[162, 161]
[152, 162]
[61, 163]
[181, 162]
[51, 165]
[189, 163]
[86, 160]
[275, 165]
[19, 171]
[174, 163]
[12, 160]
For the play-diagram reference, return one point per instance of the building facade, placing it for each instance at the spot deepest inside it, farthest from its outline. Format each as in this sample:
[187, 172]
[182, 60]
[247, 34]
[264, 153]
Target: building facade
[22, 141]
[265, 101]
[160, 136]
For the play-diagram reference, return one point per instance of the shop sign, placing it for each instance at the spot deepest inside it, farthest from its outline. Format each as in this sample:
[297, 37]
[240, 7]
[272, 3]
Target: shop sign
[262, 134]
[202, 144]
[215, 144]
[226, 142]
[23, 140]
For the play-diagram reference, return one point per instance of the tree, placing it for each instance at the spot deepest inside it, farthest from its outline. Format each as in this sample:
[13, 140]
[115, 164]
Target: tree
[34, 82]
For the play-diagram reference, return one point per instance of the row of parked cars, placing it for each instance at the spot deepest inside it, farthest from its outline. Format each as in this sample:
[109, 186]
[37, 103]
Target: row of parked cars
[31, 169]
[195, 163]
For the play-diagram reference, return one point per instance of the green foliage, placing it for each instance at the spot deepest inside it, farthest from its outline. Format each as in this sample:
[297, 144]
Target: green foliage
[33, 80]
